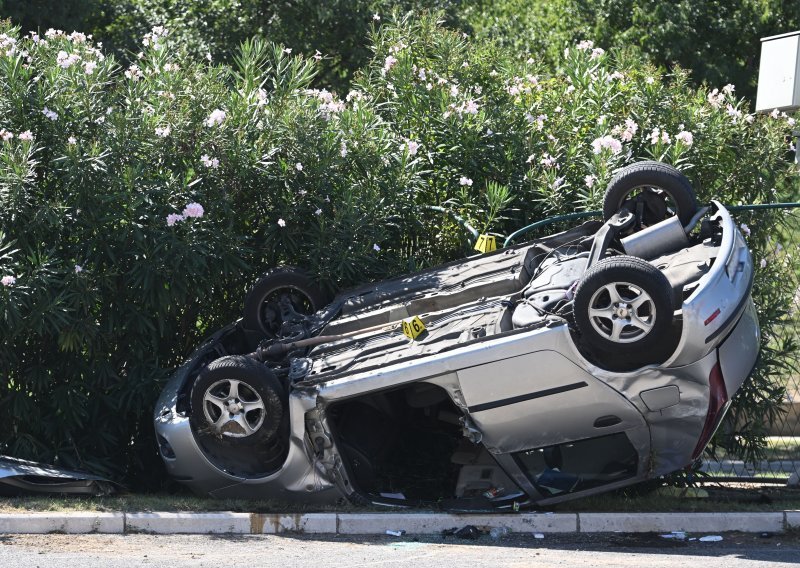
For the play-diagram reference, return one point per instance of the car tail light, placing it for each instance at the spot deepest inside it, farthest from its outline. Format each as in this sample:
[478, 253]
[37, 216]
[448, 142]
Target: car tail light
[717, 406]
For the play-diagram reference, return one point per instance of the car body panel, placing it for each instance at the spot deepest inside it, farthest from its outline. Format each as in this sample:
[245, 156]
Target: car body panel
[22, 477]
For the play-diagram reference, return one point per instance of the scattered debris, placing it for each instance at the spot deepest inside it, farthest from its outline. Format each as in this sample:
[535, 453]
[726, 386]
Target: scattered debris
[393, 496]
[677, 535]
[469, 532]
[710, 538]
[538, 535]
[493, 492]
[395, 533]
[498, 532]
[22, 477]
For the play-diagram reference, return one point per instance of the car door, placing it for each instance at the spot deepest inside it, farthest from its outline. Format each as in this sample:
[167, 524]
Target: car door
[564, 429]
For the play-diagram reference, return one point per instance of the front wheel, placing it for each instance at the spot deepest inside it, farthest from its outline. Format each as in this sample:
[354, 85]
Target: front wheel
[623, 307]
[239, 402]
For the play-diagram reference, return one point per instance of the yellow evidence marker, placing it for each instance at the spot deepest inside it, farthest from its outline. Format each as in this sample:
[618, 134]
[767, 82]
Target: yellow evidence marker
[413, 327]
[486, 243]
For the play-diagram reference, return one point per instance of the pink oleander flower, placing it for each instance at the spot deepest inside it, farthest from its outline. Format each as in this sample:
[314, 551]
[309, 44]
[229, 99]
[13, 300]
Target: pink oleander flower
[89, 67]
[733, 112]
[685, 137]
[298, 166]
[209, 162]
[66, 60]
[589, 180]
[548, 161]
[49, 114]
[629, 131]
[715, 98]
[411, 146]
[389, 62]
[216, 117]
[281, 223]
[27, 136]
[6, 135]
[173, 218]
[464, 180]
[8, 280]
[154, 37]
[597, 52]
[193, 210]
[163, 131]
[609, 142]
[78, 269]
[134, 73]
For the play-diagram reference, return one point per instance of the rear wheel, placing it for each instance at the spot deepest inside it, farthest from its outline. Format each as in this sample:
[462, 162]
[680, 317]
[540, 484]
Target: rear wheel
[652, 191]
[623, 307]
[263, 309]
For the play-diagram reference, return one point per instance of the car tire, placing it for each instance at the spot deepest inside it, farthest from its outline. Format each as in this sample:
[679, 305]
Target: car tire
[660, 181]
[260, 304]
[623, 307]
[251, 396]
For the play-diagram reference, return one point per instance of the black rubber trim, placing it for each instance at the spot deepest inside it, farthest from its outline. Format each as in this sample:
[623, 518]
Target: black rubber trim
[526, 397]
[736, 312]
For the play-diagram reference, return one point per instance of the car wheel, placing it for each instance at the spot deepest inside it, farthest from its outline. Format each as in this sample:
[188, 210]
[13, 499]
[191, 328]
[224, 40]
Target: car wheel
[262, 304]
[652, 190]
[238, 401]
[623, 306]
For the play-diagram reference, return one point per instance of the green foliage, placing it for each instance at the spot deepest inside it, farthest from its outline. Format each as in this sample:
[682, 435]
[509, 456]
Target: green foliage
[65, 14]
[337, 30]
[138, 202]
[717, 39]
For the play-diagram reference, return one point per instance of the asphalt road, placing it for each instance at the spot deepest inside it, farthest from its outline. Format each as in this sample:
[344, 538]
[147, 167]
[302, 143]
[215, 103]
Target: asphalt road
[91, 551]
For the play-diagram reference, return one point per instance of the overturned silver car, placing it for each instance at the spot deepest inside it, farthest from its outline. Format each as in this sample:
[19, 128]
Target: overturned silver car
[574, 364]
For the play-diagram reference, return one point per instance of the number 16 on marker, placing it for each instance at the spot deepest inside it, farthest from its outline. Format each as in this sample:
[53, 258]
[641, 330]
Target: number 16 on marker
[413, 327]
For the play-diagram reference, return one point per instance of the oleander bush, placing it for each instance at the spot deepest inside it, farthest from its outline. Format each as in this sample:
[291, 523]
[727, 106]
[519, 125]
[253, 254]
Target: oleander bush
[139, 201]
[718, 40]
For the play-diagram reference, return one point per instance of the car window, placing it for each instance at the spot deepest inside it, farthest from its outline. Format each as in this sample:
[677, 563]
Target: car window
[576, 466]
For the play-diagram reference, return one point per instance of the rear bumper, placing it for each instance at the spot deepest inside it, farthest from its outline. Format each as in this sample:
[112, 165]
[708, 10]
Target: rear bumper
[721, 298]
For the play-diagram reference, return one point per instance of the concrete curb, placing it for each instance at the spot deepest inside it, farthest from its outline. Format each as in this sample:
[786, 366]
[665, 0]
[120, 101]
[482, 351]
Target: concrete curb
[71, 523]
[379, 523]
